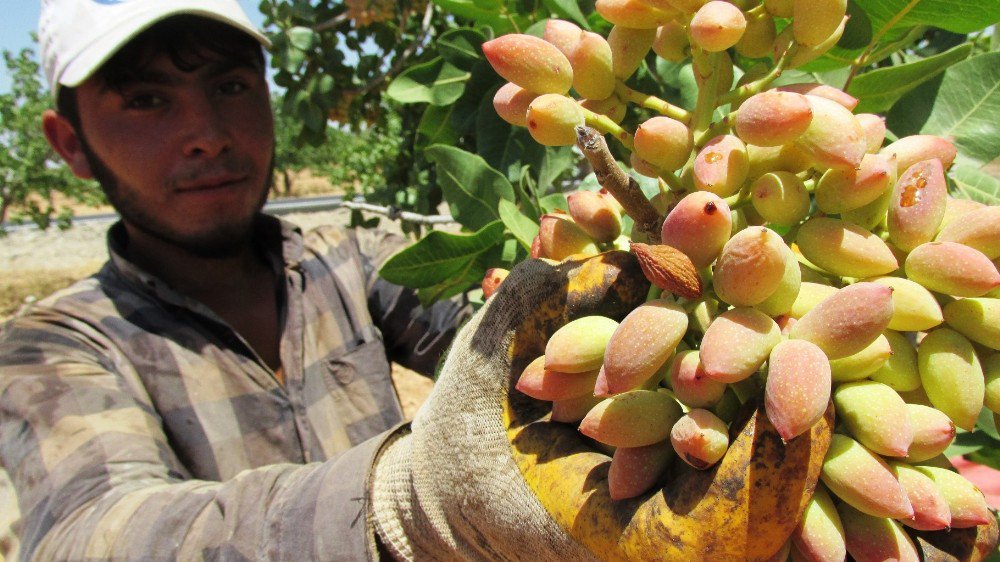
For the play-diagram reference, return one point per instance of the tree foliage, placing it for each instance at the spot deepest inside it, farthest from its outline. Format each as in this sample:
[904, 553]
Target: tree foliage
[929, 66]
[32, 176]
[334, 62]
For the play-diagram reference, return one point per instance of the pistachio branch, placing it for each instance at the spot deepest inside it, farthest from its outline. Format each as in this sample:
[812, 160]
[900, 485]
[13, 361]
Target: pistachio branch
[647, 101]
[720, 127]
[707, 66]
[672, 181]
[758, 85]
[622, 186]
[606, 125]
[333, 22]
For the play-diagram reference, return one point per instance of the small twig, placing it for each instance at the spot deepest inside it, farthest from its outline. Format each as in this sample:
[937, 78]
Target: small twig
[622, 186]
[863, 57]
[333, 22]
[890, 48]
[403, 59]
[758, 85]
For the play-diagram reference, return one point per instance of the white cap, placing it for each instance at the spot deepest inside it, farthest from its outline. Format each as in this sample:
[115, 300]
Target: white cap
[78, 36]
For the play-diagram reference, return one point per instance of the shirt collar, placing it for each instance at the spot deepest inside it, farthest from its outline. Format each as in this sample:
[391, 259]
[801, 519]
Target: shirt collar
[282, 242]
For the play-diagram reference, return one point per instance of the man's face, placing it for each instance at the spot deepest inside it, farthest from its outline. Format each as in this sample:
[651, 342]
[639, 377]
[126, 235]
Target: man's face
[185, 157]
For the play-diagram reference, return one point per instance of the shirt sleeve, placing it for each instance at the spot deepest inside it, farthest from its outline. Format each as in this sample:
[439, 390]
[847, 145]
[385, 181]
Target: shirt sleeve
[97, 479]
[415, 336]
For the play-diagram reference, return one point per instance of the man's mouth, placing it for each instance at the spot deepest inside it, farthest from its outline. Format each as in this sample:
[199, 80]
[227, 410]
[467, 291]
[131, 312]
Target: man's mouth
[211, 182]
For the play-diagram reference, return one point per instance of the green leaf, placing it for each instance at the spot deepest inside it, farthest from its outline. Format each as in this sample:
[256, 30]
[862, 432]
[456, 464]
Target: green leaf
[590, 183]
[985, 423]
[960, 16]
[302, 38]
[509, 149]
[472, 188]
[649, 186]
[477, 99]
[469, 280]
[325, 85]
[972, 183]
[989, 453]
[858, 32]
[492, 14]
[313, 117]
[688, 86]
[436, 82]
[497, 141]
[510, 251]
[964, 105]
[293, 58]
[451, 287]
[987, 456]
[521, 226]
[878, 90]
[435, 127]
[440, 256]
[567, 9]
[556, 161]
[461, 47]
[554, 201]
[968, 442]
[527, 194]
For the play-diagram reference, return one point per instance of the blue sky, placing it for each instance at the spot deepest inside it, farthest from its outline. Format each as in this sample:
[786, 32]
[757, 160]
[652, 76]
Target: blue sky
[20, 18]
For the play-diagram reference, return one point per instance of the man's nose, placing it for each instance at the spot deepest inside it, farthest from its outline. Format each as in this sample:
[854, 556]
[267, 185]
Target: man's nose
[206, 129]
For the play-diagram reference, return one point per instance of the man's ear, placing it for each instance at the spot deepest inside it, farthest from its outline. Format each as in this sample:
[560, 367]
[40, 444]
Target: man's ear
[63, 138]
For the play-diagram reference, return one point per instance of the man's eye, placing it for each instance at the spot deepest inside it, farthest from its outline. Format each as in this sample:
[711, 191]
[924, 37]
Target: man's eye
[143, 101]
[233, 87]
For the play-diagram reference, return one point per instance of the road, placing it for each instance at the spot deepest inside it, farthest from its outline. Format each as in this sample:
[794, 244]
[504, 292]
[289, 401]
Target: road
[275, 207]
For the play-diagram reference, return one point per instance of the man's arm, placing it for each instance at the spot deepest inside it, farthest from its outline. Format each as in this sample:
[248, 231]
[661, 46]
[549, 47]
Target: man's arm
[97, 477]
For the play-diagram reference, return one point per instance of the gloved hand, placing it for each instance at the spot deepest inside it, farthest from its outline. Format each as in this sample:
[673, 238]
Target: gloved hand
[483, 475]
[450, 488]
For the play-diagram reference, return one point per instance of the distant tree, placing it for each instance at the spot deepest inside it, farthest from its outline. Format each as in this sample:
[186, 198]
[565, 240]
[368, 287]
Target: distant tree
[363, 161]
[289, 155]
[31, 173]
[335, 61]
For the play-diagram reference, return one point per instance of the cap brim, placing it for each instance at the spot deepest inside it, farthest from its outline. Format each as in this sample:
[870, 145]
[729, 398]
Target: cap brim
[98, 52]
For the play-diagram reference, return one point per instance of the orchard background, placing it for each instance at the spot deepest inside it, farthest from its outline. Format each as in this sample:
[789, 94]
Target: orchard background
[392, 101]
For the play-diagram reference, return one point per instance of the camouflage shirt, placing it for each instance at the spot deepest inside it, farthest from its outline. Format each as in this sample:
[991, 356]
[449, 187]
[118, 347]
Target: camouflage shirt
[135, 424]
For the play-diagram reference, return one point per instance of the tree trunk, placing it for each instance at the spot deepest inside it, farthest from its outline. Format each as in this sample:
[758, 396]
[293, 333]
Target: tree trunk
[288, 183]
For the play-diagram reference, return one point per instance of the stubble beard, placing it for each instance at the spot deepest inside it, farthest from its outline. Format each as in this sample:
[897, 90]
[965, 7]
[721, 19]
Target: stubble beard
[226, 239]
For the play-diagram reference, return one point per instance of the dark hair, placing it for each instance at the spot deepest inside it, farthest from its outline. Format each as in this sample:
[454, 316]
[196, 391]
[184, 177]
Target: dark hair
[189, 41]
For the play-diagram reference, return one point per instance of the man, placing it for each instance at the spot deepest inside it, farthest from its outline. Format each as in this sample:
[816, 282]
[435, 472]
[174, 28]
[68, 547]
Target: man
[220, 388]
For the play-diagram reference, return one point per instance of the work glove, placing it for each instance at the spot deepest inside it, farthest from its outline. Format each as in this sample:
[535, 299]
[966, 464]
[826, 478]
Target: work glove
[449, 488]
